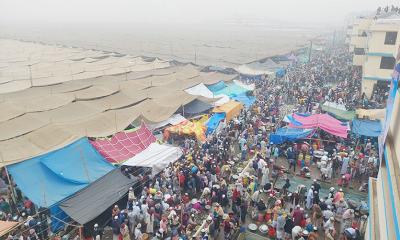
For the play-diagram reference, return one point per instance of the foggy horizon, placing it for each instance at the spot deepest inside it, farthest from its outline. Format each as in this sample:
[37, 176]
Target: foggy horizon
[291, 12]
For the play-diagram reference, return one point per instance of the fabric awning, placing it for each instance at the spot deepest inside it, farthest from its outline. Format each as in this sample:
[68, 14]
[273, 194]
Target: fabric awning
[338, 111]
[373, 114]
[156, 156]
[367, 128]
[282, 135]
[231, 108]
[202, 90]
[323, 121]
[6, 226]
[196, 107]
[91, 201]
[194, 127]
[173, 120]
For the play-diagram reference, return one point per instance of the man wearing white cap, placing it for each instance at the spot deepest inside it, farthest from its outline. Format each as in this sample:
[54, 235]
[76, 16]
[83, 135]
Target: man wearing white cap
[97, 233]
[138, 232]
[296, 231]
[310, 196]
[116, 228]
[131, 194]
[330, 223]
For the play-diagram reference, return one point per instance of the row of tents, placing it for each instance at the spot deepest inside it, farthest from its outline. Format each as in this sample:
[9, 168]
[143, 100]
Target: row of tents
[275, 65]
[80, 180]
[83, 179]
[301, 126]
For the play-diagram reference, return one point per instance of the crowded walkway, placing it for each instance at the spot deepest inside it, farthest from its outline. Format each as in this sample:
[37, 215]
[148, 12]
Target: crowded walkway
[239, 181]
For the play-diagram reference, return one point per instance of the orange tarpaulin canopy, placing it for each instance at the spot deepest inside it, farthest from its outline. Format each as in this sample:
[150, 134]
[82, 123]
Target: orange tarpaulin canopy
[195, 127]
[5, 227]
[231, 108]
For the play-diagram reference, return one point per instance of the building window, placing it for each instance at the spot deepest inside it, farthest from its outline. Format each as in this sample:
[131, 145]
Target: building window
[387, 62]
[390, 38]
[359, 51]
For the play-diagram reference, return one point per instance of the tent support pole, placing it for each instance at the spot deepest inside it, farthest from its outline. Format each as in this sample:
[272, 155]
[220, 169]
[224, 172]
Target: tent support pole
[13, 197]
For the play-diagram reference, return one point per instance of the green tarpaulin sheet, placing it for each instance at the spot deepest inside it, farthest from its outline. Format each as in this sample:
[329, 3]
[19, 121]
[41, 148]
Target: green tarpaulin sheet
[339, 114]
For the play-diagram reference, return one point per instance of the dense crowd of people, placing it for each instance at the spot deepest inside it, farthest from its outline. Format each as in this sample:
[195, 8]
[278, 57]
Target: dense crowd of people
[217, 189]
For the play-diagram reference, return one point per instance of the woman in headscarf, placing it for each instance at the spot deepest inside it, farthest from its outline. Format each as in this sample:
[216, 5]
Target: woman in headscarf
[125, 232]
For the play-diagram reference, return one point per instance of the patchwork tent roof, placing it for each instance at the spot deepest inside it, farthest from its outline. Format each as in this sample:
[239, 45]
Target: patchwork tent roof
[124, 145]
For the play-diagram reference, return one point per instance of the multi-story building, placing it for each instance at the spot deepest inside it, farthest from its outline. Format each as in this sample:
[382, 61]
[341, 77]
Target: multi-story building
[384, 191]
[358, 41]
[374, 42]
[383, 42]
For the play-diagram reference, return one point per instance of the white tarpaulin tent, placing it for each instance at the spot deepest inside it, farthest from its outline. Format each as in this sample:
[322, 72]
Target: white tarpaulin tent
[173, 120]
[156, 156]
[249, 87]
[246, 70]
[202, 90]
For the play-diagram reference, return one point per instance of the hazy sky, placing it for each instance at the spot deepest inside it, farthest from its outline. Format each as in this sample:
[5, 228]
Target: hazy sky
[178, 11]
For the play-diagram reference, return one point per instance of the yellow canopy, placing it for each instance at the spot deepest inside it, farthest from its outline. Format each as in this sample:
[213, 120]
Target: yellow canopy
[195, 127]
[231, 108]
[373, 114]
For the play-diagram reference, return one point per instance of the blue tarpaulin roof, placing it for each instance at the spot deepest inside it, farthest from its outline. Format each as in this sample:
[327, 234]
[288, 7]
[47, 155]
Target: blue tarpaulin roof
[213, 122]
[285, 134]
[49, 178]
[230, 89]
[246, 100]
[217, 86]
[234, 91]
[367, 128]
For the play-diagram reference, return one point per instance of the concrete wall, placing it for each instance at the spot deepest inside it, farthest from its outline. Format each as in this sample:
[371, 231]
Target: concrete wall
[359, 42]
[367, 86]
[376, 43]
[358, 60]
[372, 68]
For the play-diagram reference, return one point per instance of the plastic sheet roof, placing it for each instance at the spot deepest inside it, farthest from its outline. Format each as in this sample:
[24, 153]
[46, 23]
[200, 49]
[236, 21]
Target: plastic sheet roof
[52, 177]
[285, 134]
[156, 156]
[367, 128]
[91, 201]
